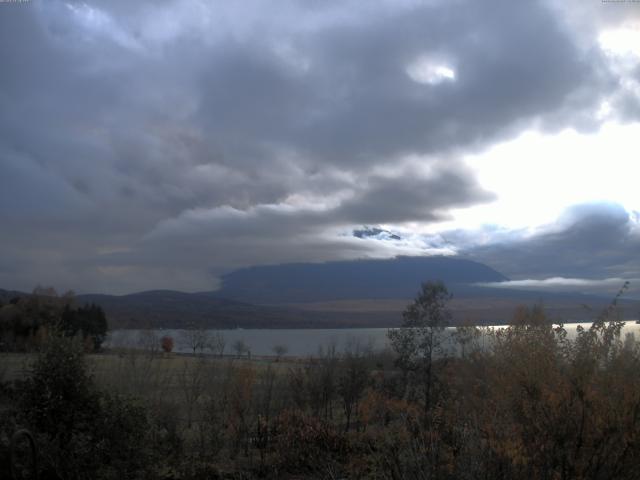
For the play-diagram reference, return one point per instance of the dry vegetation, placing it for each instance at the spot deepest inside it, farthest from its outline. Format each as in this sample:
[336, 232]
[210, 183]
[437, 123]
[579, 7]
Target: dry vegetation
[517, 403]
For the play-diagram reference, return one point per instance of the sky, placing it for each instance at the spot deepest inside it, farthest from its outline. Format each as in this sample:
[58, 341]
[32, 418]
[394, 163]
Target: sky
[162, 143]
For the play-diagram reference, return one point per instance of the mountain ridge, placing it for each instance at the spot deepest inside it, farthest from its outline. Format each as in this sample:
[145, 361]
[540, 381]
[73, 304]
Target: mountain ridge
[399, 277]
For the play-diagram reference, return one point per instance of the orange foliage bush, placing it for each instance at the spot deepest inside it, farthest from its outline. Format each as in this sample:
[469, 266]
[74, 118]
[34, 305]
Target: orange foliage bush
[304, 443]
[166, 343]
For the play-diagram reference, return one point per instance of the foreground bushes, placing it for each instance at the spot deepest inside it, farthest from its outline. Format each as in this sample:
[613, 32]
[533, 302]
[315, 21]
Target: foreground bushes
[81, 432]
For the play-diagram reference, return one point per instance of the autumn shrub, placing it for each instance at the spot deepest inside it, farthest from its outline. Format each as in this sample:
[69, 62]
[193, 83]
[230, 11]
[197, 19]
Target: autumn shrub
[240, 407]
[543, 406]
[379, 409]
[121, 432]
[166, 343]
[164, 431]
[304, 444]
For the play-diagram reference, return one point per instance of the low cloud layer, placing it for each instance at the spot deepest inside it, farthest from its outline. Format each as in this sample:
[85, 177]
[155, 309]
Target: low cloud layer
[590, 241]
[591, 248]
[158, 144]
[603, 287]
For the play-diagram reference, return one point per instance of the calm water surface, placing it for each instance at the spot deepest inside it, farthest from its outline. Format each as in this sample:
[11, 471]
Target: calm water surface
[299, 342]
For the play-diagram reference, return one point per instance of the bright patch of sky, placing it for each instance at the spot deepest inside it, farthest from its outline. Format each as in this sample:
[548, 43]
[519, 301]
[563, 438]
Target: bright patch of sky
[427, 71]
[621, 41]
[96, 23]
[537, 176]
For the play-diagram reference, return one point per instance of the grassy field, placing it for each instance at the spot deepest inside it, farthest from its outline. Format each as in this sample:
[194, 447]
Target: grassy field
[187, 383]
[108, 367]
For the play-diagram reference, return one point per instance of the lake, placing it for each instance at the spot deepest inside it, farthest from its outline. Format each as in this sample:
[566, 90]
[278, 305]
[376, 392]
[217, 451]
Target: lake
[299, 342]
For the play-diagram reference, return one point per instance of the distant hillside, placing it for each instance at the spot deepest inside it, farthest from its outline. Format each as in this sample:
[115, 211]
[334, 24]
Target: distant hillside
[7, 295]
[314, 282]
[172, 309]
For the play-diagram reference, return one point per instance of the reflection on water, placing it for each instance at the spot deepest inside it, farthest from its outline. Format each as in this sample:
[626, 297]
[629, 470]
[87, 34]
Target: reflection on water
[299, 342]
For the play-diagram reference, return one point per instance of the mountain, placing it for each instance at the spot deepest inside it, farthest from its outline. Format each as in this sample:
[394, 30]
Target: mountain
[363, 279]
[374, 293]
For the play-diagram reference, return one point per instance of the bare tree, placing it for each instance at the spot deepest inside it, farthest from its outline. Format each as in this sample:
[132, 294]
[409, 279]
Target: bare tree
[149, 341]
[321, 381]
[466, 337]
[419, 341]
[265, 405]
[191, 379]
[240, 347]
[280, 350]
[195, 338]
[217, 344]
[354, 378]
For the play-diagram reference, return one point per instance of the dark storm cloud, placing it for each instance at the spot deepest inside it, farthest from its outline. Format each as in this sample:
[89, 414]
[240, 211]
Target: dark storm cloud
[355, 105]
[593, 241]
[143, 142]
[412, 198]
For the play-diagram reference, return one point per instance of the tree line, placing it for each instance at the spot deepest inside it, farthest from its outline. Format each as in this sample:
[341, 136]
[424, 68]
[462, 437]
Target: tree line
[27, 321]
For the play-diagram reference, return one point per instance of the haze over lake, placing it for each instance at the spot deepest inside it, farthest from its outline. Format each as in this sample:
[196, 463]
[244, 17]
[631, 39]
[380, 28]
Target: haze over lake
[299, 342]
